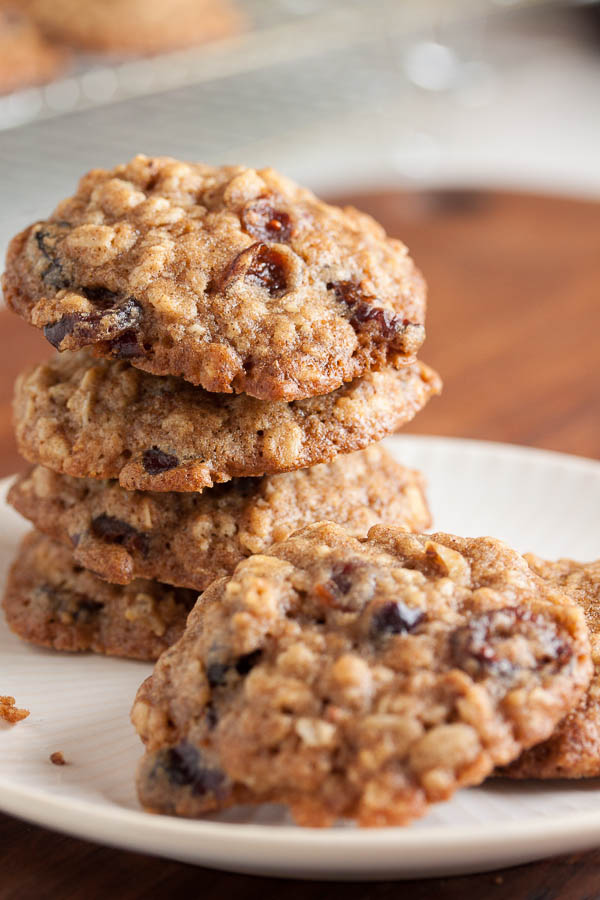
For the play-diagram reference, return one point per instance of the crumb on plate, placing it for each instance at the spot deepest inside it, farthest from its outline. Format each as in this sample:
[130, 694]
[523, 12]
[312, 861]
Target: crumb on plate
[9, 712]
[57, 759]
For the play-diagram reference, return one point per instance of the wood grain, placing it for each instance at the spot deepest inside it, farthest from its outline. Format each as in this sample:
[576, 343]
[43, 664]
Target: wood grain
[514, 329]
[514, 313]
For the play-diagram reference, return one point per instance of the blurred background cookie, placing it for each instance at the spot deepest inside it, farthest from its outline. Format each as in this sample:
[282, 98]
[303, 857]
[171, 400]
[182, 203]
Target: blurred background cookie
[26, 57]
[135, 26]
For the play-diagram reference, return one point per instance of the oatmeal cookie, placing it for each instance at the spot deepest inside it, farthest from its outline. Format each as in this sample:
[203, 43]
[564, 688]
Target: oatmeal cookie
[573, 751]
[52, 601]
[191, 539]
[135, 27]
[235, 279]
[107, 419]
[360, 679]
[25, 57]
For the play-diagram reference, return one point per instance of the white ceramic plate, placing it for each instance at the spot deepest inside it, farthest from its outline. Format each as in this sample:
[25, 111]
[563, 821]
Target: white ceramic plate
[539, 501]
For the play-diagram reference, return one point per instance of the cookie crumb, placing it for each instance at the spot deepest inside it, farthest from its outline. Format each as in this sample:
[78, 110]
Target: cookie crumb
[498, 879]
[57, 759]
[9, 712]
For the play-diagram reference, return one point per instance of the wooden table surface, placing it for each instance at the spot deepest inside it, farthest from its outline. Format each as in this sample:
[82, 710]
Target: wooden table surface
[514, 329]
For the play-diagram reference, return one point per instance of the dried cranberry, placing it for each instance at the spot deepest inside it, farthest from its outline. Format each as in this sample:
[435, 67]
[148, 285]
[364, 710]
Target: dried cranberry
[266, 223]
[216, 673]
[342, 576]
[156, 461]
[115, 531]
[387, 324]
[346, 291]
[268, 271]
[212, 716]
[126, 346]
[381, 323]
[262, 265]
[349, 586]
[105, 324]
[55, 332]
[474, 646]
[395, 617]
[53, 276]
[184, 767]
[337, 585]
[247, 662]
[79, 606]
[86, 608]
[184, 596]
[100, 296]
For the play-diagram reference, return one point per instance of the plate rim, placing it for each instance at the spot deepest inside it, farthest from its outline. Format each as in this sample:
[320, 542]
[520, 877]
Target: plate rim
[516, 449]
[311, 837]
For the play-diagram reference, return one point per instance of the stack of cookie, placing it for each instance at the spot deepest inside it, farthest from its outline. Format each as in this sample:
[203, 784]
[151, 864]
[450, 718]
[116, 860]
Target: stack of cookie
[230, 346]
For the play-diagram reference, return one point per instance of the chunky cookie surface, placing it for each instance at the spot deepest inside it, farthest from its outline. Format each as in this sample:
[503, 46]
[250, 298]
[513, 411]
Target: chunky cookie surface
[135, 26]
[234, 279]
[191, 539]
[573, 751]
[106, 419]
[362, 679]
[51, 601]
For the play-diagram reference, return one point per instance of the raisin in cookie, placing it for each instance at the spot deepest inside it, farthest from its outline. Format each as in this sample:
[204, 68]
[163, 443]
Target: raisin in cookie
[107, 419]
[25, 57]
[191, 539]
[362, 679]
[232, 278]
[52, 601]
[573, 751]
[132, 27]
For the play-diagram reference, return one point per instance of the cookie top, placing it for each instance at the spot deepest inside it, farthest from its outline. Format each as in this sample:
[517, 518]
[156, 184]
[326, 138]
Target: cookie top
[25, 57]
[191, 539]
[51, 601]
[573, 751]
[135, 26]
[358, 678]
[107, 419]
[235, 279]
